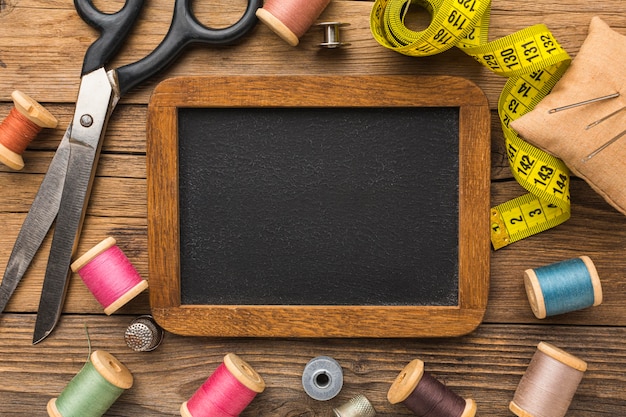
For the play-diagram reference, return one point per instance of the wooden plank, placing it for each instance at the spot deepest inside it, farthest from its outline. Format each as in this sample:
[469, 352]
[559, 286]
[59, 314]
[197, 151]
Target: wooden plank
[485, 366]
[54, 52]
[507, 300]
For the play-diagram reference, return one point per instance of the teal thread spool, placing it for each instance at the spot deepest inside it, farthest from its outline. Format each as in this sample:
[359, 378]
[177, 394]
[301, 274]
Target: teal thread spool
[94, 389]
[563, 287]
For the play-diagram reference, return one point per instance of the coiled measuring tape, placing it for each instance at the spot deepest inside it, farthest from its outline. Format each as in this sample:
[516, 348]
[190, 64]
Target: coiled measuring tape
[533, 61]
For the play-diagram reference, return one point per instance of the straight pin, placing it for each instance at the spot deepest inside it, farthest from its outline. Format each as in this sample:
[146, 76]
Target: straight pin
[597, 122]
[603, 147]
[582, 103]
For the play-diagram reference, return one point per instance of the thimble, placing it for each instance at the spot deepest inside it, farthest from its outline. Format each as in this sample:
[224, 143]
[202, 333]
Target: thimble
[143, 334]
[358, 406]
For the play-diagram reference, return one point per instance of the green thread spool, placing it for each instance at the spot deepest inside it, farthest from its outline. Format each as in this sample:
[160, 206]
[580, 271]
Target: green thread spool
[563, 287]
[94, 389]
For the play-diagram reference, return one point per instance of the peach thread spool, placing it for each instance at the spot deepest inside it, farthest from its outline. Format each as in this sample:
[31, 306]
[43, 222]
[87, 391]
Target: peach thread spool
[290, 19]
[549, 384]
[94, 389]
[563, 287]
[20, 127]
[109, 275]
[425, 396]
[227, 392]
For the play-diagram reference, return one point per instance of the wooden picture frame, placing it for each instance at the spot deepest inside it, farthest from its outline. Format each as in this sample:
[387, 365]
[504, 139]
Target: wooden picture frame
[338, 91]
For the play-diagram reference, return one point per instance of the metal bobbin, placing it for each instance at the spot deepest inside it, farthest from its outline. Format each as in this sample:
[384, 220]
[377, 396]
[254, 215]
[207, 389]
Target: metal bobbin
[322, 378]
[358, 406]
[143, 334]
[332, 34]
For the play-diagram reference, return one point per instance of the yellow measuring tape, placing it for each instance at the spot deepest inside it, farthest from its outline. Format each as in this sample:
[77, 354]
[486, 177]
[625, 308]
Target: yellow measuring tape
[532, 60]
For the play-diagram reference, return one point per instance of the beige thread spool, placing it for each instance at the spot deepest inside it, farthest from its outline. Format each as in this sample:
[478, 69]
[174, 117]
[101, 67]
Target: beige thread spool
[549, 384]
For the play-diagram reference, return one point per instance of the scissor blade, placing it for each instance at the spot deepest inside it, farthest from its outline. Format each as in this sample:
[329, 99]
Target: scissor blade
[97, 97]
[37, 223]
[71, 211]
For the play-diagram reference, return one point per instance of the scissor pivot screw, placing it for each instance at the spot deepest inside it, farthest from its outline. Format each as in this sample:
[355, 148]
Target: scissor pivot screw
[86, 120]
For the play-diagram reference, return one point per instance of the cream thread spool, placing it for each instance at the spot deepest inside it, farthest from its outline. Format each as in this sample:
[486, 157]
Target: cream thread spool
[20, 127]
[563, 287]
[109, 275]
[549, 384]
[290, 19]
[414, 386]
[94, 389]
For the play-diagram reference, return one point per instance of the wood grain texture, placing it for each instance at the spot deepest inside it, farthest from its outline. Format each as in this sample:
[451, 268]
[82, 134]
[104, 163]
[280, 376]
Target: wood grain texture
[42, 43]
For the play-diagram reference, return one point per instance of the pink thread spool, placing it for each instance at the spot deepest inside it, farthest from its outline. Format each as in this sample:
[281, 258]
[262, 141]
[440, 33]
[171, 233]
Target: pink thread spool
[109, 275]
[227, 392]
[290, 19]
[20, 127]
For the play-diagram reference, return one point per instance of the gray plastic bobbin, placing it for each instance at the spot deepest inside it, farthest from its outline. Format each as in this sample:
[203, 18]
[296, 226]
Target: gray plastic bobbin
[322, 378]
[143, 334]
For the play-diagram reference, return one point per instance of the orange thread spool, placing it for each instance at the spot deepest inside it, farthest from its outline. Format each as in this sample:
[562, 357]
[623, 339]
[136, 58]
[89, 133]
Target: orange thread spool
[20, 127]
[290, 19]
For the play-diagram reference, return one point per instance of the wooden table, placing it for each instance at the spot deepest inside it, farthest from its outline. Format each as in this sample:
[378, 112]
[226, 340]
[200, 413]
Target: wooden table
[41, 48]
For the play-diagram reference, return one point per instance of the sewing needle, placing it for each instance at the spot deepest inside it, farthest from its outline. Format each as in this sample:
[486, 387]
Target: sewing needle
[582, 103]
[601, 148]
[597, 122]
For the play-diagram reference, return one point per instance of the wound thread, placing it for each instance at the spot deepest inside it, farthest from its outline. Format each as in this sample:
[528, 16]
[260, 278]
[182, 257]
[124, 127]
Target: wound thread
[94, 389]
[549, 384]
[563, 287]
[290, 19]
[425, 396]
[227, 392]
[109, 275]
[16, 131]
[433, 399]
[20, 127]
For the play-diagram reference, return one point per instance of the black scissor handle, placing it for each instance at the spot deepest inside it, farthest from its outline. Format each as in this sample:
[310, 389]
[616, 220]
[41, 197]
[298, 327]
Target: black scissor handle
[184, 30]
[113, 27]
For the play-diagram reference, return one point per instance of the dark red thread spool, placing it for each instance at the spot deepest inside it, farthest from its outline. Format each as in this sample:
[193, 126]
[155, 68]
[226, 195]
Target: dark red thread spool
[20, 127]
[425, 396]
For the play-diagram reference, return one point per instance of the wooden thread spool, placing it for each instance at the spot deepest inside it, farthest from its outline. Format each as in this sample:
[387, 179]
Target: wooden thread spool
[563, 287]
[549, 384]
[425, 396]
[94, 389]
[20, 127]
[227, 392]
[290, 19]
[109, 275]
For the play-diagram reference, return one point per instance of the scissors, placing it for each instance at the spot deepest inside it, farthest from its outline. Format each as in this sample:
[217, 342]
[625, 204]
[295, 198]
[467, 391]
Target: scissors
[65, 189]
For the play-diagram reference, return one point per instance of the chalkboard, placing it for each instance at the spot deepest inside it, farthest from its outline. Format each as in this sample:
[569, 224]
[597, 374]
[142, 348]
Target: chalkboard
[318, 206]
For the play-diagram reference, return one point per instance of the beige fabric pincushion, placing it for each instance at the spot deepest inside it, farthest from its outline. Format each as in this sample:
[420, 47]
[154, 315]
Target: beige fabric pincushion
[599, 69]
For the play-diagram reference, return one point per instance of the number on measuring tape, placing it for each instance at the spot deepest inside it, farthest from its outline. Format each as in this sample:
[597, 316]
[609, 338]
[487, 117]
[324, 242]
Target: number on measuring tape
[533, 61]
